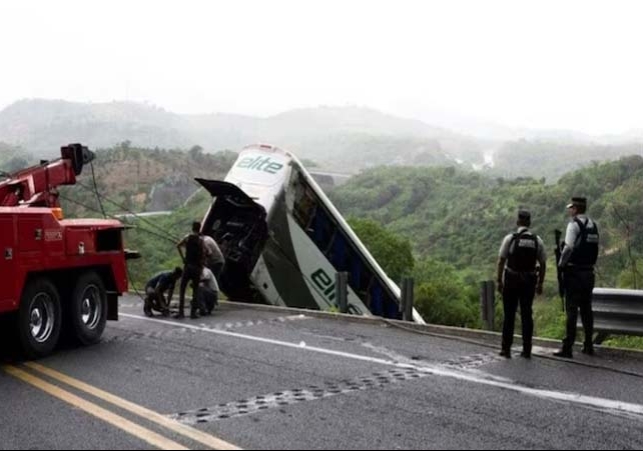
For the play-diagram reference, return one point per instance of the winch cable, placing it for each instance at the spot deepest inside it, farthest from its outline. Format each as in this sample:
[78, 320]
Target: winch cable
[101, 197]
[100, 202]
[107, 215]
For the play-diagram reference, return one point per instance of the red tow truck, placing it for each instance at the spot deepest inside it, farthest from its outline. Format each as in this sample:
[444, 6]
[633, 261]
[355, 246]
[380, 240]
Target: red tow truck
[56, 275]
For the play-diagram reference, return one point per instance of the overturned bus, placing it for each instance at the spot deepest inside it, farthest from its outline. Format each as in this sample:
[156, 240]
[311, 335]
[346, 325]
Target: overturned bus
[284, 241]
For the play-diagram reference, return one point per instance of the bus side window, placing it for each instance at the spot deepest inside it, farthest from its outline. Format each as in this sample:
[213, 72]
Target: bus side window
[356, 269]
[392, 308]
[337, 254]
[305, 207]
[377, 300]
[323, 230]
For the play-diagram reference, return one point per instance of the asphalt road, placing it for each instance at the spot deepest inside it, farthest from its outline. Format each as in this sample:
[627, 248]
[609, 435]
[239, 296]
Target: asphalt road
[276, 380]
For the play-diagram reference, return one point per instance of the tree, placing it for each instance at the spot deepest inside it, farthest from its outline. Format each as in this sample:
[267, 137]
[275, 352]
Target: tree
[14, 164]
[393, 253]
[196, 153]
[443, 297]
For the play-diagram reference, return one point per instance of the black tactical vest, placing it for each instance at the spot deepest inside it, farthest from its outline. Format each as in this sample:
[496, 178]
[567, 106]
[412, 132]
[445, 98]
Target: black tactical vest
[194, 250]
[586, 250]
[523, 252]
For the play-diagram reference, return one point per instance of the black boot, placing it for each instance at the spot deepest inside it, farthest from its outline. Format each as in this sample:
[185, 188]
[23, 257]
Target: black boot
[180, 314]
[564, 354]
[588, 350]
[506, 353]
[147, 308]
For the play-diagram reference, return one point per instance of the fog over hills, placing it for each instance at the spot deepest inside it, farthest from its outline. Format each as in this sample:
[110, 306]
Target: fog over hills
[347, 139]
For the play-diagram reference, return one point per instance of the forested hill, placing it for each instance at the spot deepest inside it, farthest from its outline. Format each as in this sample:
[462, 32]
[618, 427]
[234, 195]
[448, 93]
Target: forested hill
[460, 217]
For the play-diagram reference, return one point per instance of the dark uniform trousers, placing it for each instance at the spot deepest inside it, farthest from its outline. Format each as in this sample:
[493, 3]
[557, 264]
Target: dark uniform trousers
[192, 275]
[519, 290]
[579, 286]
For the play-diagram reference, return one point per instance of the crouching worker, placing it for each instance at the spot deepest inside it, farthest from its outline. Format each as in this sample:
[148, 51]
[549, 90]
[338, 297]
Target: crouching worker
[208, 292]
[156, 289]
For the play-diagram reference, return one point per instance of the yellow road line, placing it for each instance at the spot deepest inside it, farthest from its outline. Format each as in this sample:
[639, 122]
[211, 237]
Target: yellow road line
[173, 425]
[134, 429]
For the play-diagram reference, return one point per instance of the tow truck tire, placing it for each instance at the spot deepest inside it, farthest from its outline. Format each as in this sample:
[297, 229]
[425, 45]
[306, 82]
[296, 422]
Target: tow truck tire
[39, 318]
[88, 309]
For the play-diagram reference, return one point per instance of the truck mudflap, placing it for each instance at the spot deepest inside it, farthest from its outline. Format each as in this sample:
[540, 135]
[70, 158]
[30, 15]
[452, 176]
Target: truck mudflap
[112, 306]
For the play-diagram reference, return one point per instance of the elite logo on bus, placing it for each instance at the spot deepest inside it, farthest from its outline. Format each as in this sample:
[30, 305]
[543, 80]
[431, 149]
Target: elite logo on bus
[324, 283]
[263, 164]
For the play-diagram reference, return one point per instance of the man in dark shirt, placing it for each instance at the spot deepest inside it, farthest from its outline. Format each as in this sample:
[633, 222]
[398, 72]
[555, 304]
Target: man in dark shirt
[194, 260]
[156, 288]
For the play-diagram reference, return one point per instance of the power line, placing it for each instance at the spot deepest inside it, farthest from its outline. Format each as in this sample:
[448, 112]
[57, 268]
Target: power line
[95, 210]
[136, 215]
[100, 203]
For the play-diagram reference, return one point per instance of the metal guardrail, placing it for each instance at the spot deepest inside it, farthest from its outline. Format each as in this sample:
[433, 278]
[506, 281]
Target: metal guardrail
[617, 312]
[488, 304]
[341, 291]
[407, 299]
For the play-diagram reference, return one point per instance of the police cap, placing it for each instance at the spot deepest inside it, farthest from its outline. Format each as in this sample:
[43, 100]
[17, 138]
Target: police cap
[578, 202]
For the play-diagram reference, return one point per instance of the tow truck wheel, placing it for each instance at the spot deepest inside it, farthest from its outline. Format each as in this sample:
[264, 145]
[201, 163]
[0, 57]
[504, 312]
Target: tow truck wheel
[40, 318]
[88, 309]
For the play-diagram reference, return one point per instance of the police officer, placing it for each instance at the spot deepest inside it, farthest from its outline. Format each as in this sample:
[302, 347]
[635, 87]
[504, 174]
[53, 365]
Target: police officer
[577, 261]
[519, 279]
[194, 259]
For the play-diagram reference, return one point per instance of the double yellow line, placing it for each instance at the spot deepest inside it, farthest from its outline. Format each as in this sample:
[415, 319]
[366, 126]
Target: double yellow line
[124, 424]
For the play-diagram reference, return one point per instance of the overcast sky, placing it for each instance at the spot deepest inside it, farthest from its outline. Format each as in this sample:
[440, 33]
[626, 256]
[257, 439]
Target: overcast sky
[542, 64]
